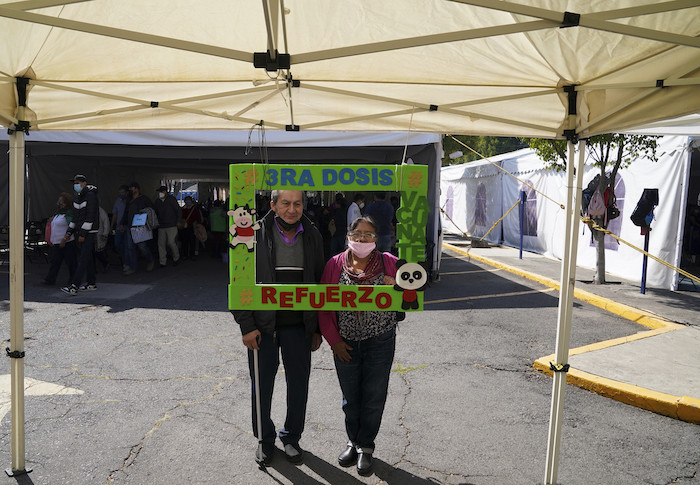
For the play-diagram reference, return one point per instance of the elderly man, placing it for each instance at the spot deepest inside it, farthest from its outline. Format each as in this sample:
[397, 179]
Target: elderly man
[289, 250]
[84, 225]
[169, 214]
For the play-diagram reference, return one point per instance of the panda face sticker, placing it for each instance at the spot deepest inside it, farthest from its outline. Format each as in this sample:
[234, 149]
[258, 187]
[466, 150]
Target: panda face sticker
[411, 276]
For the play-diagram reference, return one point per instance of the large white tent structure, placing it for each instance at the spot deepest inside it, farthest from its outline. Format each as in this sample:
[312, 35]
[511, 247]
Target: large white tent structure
[543, 68]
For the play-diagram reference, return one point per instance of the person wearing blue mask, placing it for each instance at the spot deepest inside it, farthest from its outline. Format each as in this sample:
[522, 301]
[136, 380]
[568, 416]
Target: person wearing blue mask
[84, 225]
[117, 215]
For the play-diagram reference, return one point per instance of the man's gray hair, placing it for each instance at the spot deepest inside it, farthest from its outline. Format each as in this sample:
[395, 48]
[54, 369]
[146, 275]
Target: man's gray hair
[276, 193]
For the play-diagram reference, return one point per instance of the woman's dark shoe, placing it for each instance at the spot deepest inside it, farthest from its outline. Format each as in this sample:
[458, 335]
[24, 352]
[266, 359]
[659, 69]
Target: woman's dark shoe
[364, 464]
[349, 456]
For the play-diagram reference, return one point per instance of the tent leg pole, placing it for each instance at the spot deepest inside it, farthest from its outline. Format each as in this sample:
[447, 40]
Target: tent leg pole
[566, 294]
[16, 349]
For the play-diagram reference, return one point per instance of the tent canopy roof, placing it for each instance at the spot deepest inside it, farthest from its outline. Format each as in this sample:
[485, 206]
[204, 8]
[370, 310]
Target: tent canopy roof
[462, 66]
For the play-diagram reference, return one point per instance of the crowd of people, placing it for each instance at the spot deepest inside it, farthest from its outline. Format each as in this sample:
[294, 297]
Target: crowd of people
[299, 241]
[83, 236]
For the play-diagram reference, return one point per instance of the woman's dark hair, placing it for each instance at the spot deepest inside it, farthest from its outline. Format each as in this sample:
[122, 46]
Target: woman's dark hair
[67, 198]
[368, 219]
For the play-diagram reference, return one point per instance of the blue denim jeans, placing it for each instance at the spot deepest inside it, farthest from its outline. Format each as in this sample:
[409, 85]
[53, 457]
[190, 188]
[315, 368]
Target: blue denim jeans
[295, 347]
[365, 382]
[120, 244]
[132, 258]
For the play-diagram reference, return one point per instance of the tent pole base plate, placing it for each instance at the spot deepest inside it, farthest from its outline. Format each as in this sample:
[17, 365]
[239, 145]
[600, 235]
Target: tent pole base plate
[17, 473]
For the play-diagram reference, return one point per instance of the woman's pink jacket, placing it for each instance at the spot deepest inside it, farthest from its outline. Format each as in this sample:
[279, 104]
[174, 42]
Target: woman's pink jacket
[328, 320]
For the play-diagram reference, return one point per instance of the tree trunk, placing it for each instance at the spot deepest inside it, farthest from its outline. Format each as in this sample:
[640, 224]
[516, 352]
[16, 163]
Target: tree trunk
[599, 238]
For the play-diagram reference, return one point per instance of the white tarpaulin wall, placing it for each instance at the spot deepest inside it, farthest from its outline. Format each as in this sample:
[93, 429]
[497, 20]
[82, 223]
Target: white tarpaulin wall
[544, 219]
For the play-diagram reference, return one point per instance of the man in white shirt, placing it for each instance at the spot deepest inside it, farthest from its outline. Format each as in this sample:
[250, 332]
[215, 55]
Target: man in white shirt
[355, 209]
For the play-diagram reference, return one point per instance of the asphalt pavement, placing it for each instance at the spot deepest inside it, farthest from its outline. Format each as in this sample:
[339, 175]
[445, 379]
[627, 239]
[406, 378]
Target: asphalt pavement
[145, 381]
[657, 369]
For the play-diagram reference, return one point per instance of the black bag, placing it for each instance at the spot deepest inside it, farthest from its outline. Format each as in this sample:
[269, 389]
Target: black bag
[645, 207]
[587, 194]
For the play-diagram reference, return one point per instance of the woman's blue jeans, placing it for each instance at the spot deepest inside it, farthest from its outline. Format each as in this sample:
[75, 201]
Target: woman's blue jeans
[365, 382]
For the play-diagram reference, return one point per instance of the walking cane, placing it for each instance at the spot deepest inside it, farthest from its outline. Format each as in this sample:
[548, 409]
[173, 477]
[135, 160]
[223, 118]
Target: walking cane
[257, 408]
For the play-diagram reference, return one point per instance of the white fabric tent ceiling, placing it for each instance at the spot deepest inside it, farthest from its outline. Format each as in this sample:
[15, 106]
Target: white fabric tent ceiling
[495, 68]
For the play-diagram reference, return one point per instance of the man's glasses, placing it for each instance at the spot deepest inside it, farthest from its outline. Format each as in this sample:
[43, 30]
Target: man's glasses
[362, 236]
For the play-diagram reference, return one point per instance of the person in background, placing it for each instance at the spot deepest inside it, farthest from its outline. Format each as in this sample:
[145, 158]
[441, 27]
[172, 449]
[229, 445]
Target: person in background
[355, 209]
[101, 239]
[340, 224]
[84, 224]
[191, 215]
[218, 221]
[61, 250]
[169, 213]
[117, 215]
[383, 213]
[289, 250]
[363, 342]
[137, 203]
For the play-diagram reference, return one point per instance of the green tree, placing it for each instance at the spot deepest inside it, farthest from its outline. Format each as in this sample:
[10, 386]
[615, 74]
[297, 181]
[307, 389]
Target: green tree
[609, 153]
[488, 146]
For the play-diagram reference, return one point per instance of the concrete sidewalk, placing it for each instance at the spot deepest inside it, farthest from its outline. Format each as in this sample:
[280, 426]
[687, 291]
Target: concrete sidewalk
[656, 369]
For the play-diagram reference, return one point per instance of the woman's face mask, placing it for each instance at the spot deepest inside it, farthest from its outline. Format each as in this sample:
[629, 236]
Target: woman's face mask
[361, 249]
[188, 203]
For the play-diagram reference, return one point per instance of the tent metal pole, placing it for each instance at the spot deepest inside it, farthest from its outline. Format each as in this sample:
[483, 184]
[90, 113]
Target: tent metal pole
[16, 349]
[566, 294]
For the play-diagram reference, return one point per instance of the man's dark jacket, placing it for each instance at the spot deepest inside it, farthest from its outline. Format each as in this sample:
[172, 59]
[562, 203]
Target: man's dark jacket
[86, 219]
[264, 320]
[134, 207]
[168, 211]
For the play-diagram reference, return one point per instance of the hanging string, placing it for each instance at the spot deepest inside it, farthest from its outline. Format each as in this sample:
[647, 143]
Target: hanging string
[593, 225]
[262, 147]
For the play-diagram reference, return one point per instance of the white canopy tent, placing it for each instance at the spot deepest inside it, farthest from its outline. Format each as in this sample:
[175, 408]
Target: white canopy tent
[543, 68]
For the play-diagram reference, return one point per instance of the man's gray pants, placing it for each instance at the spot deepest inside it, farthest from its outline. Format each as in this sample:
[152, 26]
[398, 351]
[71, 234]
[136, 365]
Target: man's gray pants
[167, 236]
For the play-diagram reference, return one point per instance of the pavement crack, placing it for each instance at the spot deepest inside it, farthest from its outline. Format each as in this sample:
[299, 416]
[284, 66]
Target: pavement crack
[683, 478]
[136, 449]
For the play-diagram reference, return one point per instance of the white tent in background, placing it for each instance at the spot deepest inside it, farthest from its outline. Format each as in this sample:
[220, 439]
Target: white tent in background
[543, 68]
[461, 201]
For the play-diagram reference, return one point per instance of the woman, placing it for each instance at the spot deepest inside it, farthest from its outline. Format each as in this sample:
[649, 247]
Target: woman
[191, 215]
[61, 250]
[363, 342]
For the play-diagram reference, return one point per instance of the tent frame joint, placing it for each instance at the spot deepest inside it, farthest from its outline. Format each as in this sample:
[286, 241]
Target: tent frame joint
[291, 127]
[154, 104]
[14, 354]
[433, 107]
[270, 63]
[571, 136]
[19, 126]
[570, 19]
[660, 83]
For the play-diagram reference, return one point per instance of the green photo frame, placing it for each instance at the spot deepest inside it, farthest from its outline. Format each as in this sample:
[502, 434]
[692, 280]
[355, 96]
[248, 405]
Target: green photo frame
[411, 181]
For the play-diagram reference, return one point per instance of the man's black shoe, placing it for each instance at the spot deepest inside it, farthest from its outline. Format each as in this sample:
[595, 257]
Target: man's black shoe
[348, 457]
[364, 464]
[293, 453]
[268, 450]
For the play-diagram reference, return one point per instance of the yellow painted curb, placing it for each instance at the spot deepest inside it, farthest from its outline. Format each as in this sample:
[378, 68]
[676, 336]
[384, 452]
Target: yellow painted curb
[684, 408]
[641, 317]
